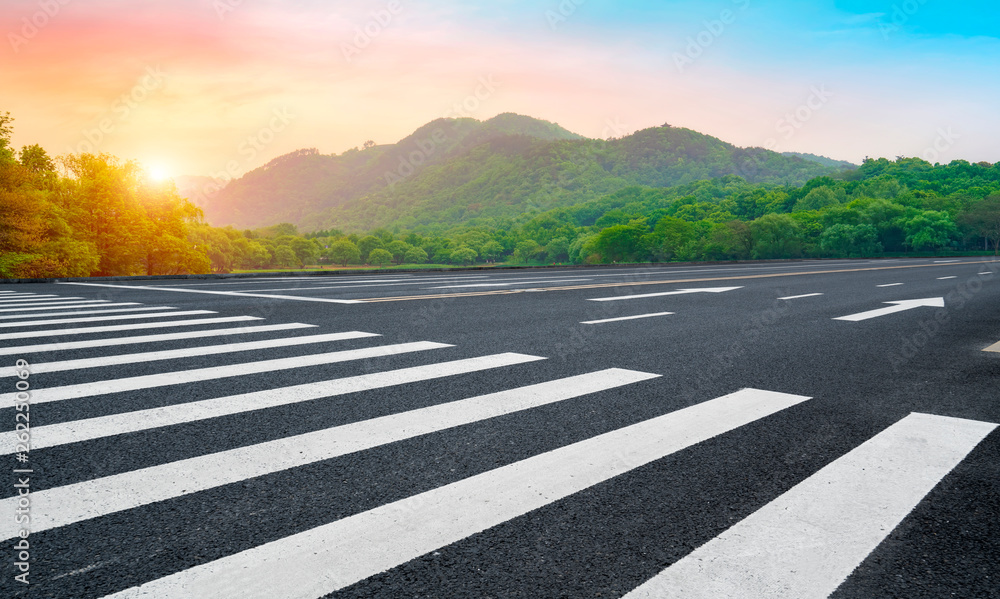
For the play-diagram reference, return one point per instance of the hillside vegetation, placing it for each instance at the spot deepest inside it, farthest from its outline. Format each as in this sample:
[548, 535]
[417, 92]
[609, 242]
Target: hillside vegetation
[465, 171]
[89, 215]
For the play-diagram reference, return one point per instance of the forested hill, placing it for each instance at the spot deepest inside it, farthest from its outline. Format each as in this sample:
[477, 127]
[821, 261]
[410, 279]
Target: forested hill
[453, 171]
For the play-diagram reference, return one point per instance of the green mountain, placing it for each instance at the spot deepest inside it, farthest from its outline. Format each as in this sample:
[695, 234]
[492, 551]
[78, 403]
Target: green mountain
[831, 162]
[462, 170]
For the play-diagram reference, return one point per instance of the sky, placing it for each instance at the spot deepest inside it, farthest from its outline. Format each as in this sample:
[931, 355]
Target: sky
[220, 87]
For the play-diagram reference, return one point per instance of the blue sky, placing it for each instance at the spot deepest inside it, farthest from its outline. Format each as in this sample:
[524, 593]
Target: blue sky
[847, 79]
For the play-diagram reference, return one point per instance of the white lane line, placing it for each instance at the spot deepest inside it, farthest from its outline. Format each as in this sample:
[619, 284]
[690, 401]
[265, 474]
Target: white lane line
[95, 498]
[82, 312]
[525, 282]
[360, 546]
[626, 318]
[987, 273]
[891, 285]
[38, 298]
[61, 305]
[946, 278]
[34, 323]
[229, 293]
[166, 379]
[71, 345]
[127, 327]
[665, 293]
[131, 422]
[946, 261]
[361, 284]
[902, 306]
[805, 543]
[184, 352]
[793, 297]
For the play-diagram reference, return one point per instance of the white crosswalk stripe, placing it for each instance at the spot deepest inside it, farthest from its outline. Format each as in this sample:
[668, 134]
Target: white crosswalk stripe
[355, 548]
[804, 542]
[131, 422]
[51, 394]
[126, 327]
[85, 312]
[91, 499]
[37, 298]
[58, 321]
[187, 352]
[61, 305]
[144, 339]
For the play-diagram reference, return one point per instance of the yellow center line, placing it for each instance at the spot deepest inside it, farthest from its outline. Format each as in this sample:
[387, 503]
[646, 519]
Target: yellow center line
[666, 282]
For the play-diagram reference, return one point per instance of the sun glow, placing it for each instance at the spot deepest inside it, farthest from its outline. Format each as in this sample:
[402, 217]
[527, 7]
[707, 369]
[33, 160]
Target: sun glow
[157, 172]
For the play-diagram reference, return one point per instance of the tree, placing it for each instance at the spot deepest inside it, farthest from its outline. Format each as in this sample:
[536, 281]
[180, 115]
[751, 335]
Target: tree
[380, 256]
[621, 243]
[669, 236]
[492, 250]
[284, 257]
[102, 207]
[464, 255]
[6, 153]
[343, 252]
[415, 255]
[398, 250]
[557, 250]
[776, 236]
[367, 244]
[983, 219]
[929, 230]
[307, 250]
[817, 199]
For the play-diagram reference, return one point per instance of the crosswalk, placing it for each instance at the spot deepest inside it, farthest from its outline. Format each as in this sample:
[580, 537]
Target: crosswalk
[804, 542]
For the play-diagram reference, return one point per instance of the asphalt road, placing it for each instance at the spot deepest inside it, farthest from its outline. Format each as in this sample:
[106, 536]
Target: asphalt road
[766, 430]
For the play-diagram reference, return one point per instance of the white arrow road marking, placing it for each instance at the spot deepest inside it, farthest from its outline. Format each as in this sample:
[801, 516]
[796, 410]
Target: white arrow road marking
[805, 543]
[678, 292]
[994, 348]
[930, 302]
[319, 561]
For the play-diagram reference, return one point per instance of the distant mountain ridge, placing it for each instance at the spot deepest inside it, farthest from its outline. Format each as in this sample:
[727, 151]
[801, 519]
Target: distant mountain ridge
[456, 170]
[831, 162]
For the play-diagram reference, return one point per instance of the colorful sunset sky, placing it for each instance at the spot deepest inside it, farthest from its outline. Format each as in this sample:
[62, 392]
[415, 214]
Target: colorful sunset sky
[194, 86]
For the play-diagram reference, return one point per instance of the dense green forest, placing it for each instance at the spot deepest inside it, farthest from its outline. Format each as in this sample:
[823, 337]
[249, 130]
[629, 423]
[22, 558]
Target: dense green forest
[95, 215]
